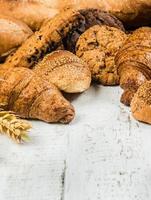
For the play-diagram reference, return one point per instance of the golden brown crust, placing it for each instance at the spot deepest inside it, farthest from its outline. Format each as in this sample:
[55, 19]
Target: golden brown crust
[65, 70]
[59, 109]
[65, 28]
[134, 13]
[141, 103]
[127, 97]
[30, 12]
[134, 62]
[25, 93]
[13, 33]
[98, 47]
[46, 40]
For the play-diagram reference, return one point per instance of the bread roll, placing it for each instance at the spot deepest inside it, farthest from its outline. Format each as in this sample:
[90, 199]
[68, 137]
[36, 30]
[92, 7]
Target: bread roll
[12, 34]
[65, 28]
[31, 13]
[65, 70]
[133, 13]
[55, 4]
[77, 4]
[141, 103]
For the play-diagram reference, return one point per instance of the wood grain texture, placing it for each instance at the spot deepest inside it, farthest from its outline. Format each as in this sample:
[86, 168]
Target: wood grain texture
[106, 154]
[34, 171]
[103, 154]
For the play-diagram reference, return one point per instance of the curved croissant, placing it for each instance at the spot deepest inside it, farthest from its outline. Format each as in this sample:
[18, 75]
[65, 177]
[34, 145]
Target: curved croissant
[134, 63]
[25, 93]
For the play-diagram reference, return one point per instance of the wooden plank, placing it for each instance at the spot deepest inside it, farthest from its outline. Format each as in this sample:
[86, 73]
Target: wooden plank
[108, 152]
[34, 171]
[103, 154]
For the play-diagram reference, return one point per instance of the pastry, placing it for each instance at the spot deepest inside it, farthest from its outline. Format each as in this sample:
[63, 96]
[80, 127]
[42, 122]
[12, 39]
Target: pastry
[98, 47]
[46, 40]
[31, 13]
[13, 33]
[30, 97]
[57, 31]
[134, 62]
[133, 13]
[92, 17]
[65, 70]
[141, 103]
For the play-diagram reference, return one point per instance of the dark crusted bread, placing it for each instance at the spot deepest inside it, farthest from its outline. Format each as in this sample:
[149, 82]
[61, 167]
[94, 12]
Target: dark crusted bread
[62, 29]
[92, 17]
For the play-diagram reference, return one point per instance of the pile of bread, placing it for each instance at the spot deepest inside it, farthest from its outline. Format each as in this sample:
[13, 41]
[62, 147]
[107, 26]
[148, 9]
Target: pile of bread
[49, 46]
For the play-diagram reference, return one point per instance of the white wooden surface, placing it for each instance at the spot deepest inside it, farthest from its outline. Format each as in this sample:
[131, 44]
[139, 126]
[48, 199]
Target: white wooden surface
[104, 154]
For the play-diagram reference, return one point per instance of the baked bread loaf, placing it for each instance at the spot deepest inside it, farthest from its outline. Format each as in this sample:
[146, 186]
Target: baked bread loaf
[46, 40]
[13, 33]
[30, 12]
[91, 17]
[55, 4]
[65, 70]
[29, 96]
[57, 31]
[76, 4]
[141, 103]
[98, 47]
[134, 62]
[133, 13]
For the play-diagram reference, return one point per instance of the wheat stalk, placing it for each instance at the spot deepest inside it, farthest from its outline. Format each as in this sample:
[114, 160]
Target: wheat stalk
[15, 128]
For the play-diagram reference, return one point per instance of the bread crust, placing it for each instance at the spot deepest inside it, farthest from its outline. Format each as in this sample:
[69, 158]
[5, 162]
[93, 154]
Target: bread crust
[30, 12]
[29, 96]
[134, 62]
[65, 70]
[141, 103]
[57, 31]
[98, 47]
[13, 33]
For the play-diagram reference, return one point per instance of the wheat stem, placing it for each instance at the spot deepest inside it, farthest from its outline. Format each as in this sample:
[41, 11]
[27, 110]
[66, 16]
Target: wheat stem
[14, 127]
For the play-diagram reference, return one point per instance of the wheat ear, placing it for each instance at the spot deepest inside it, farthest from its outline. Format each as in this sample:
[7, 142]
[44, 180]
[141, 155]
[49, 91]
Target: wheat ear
[14, 127]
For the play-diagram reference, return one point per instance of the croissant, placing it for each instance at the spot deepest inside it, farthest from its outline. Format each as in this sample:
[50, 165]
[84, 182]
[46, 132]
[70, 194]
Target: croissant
[65, 70]
[134, 63]
[25, 93]
[64, 29]
[141, 103]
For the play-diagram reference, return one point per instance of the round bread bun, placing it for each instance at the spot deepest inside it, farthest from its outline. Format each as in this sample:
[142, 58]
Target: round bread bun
[12, 34]
[65, 70]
